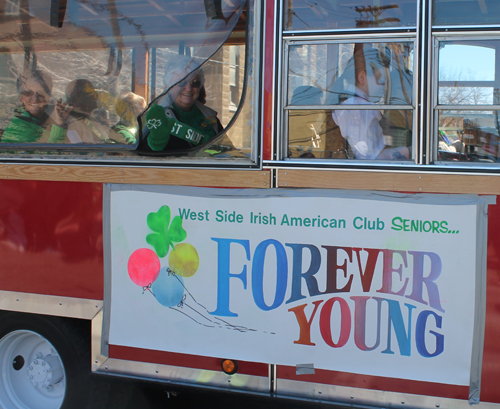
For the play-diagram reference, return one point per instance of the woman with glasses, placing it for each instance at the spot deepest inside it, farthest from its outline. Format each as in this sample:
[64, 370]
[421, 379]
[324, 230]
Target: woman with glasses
[31, 122]
[196, 124]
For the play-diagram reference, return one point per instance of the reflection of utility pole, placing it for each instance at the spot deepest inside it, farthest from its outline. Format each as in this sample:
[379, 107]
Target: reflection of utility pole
[370, 16]
[496, 96]
[289, 15]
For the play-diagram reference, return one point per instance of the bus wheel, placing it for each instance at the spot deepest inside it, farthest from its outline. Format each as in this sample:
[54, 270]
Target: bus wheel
[45, 364]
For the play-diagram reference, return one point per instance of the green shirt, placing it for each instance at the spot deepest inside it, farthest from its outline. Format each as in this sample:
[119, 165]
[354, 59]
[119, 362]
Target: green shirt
[26, 128]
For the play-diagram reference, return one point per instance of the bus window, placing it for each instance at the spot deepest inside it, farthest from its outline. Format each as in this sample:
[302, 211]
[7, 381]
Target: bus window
[214, 89]
[465, 12]
[360, 82]
[331, 15]
[467, 101]
[84, 75]
[38, 87]
[349, 100]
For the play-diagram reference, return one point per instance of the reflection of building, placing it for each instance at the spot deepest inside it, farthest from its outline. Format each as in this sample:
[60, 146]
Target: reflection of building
[224, 75]
[476, 130]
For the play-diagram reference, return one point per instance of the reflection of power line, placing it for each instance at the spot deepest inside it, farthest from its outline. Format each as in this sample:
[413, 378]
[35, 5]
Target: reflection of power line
[375, 9]
[298, 18]
[370, 15]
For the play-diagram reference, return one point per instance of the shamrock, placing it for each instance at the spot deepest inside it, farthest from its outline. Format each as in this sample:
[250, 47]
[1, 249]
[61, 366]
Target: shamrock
[153, 123]
[165, 235]
[209, 120]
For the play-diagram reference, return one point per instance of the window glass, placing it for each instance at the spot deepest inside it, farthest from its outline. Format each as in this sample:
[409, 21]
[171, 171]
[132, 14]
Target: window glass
[86, 75]
[341, 14]
[470, 136]
[467, 73]
[223, 97]
[468, 80]
[53, 69]
[350, 101]
[465, 12]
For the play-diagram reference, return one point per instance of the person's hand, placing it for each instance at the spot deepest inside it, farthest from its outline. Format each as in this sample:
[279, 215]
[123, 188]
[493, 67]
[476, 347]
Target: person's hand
[61, 112]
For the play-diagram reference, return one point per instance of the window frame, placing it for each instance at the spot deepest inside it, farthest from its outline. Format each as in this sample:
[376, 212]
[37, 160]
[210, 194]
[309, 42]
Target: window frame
[436, 107]
[289, 41]
[48, 153]
[425, 89]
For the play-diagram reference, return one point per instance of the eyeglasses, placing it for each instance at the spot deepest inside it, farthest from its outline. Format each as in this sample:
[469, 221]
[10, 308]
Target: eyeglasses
[28, 93]
[193, 83]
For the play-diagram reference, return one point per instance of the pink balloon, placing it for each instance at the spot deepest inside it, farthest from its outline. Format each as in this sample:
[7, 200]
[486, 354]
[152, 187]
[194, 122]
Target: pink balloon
[143, 267]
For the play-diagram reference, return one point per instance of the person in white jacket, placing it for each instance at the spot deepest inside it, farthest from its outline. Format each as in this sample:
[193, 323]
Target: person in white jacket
[361, 128]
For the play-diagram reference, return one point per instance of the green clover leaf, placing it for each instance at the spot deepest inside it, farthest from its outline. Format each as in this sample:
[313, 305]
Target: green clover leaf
[165, 235]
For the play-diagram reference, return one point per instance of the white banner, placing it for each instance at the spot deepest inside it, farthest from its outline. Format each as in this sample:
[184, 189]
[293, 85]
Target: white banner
[367, 283]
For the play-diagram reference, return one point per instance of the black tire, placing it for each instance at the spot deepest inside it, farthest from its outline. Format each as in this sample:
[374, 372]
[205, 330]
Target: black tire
[71, 340]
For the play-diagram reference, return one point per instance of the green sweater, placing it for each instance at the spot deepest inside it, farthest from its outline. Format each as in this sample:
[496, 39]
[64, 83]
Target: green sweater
[26, 128]
[193, 120]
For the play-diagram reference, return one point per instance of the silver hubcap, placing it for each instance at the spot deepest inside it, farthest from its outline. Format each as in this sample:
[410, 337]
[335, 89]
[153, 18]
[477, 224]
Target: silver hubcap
[31, 372]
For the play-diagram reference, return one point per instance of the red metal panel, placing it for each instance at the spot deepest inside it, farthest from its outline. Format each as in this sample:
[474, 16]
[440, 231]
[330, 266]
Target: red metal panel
[268, 81]
[51, 238]
[490, 392]
[51, 243]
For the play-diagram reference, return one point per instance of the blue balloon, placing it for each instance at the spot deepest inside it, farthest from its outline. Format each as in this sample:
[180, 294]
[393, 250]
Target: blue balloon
[168, 288]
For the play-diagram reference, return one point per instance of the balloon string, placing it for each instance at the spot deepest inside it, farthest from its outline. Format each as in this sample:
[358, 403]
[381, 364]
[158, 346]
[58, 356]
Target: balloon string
[183, 302]
[187, 315]
[148, 288]
[173, 273]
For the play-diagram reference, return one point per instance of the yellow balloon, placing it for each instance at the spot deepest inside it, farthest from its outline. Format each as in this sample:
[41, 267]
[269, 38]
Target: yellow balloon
[183, 260]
